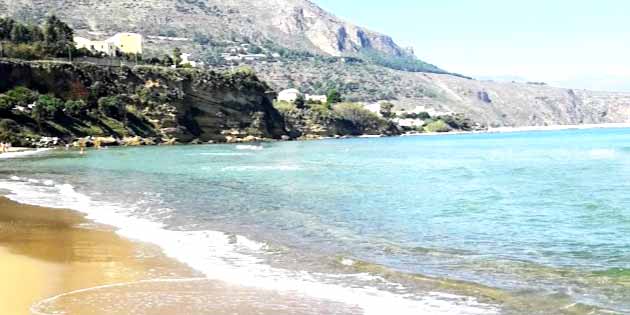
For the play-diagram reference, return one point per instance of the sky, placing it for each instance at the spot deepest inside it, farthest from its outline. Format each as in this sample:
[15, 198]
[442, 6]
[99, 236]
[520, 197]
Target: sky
[567, 43]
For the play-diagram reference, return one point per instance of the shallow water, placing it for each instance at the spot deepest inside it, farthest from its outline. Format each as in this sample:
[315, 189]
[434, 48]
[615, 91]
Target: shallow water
[522, 223]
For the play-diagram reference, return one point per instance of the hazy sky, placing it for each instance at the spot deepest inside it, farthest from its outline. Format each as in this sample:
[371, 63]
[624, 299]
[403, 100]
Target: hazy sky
[572, 43]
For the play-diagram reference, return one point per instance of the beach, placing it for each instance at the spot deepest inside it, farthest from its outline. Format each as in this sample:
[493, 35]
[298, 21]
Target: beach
[45, 252]
[54, 260]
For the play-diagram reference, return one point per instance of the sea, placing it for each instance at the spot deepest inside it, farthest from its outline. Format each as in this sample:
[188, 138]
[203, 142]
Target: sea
[506, 223]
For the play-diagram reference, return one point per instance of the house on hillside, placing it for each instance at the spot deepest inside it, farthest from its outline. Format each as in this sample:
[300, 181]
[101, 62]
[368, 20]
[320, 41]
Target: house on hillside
[187, 61]
[101, 46]
[289, 95]
[323, 99]
[128, 43]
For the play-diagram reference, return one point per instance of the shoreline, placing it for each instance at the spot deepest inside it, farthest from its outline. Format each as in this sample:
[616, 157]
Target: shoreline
[56, 260]
[52, 251]
[24, 151]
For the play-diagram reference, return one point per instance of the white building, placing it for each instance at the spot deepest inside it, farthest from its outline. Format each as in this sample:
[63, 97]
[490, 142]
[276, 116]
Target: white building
[129, 43]
[408, 122]
[186, 61]
[289, 95]
[104, 47]
[316, 98]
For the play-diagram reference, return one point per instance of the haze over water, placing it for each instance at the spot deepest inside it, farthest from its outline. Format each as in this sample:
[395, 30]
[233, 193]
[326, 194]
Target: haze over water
[540, 216]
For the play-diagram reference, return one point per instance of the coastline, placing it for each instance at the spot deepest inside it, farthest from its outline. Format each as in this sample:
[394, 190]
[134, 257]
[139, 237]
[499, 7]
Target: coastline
[45, 252]
[525, 129]
[55, 260]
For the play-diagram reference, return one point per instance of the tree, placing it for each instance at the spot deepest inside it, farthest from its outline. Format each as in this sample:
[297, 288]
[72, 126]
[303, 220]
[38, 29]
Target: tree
[300, 101]
[6, 25]
[333, 96]
[20, 34]
[58, 36]
[386, 110]
[167, 61]
[177, 56]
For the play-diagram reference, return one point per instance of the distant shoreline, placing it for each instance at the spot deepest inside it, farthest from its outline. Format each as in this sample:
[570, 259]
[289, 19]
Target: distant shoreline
[526, 129]
[559, 127]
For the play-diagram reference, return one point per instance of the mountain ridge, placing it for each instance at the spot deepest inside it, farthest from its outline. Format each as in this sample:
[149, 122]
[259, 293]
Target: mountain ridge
[296, 24]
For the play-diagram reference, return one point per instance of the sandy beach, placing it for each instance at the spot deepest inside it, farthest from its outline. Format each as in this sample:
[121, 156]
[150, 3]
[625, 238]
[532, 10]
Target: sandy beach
[48, 253]
[45, 252]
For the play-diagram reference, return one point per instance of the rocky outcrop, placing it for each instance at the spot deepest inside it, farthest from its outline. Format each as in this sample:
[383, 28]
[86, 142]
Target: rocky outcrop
[180, 104]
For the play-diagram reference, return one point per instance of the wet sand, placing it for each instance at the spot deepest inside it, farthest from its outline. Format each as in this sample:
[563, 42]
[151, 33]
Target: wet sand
[48, 252]
[45, 252]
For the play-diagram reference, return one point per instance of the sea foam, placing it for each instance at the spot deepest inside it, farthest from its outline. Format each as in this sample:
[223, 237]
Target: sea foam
[219, 257]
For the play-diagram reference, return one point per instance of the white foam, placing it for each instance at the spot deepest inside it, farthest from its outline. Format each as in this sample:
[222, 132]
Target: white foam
[602, 153]
[250, 168]
[220, 257]
[13, 155]
[249, 147]
[222, 154]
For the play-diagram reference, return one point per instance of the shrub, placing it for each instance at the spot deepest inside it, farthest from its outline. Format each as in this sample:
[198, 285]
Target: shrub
[284, 107]
[6, 105]
[437, 126]
[386, 110]
[111, 106]
[360, 117]
[74, 108]
[333, 96]
[21, 96]
[47, 107]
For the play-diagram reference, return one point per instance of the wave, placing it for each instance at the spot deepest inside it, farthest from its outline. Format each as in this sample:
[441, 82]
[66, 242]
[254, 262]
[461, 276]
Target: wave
[249, 168]
[602, 153]
[250, 147]
[221, 154]
[13, 155]
[233, 259]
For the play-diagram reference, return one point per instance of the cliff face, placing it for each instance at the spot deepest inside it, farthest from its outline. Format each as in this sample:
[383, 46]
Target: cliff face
[182, 104]
[296, 24]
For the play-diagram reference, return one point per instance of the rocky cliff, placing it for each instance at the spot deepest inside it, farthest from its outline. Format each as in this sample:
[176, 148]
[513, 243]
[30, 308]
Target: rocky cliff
[162, 103]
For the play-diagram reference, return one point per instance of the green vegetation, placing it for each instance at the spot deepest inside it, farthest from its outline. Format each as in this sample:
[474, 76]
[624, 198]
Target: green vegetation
[386, 110]
[404, 63]
[333, 96]
[54, 39]
[340, 119]
[26, 114]
[420, 115]
[358, 116]
[437, 126]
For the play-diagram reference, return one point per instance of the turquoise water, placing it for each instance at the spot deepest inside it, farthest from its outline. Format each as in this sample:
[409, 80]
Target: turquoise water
[536, 216]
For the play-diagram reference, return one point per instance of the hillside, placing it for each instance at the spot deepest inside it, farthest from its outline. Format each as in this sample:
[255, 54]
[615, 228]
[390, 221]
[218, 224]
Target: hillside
[294, 24]
[314, 50]
[486, 102]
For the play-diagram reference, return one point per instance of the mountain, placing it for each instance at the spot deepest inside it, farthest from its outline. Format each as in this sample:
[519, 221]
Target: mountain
[295, 24]
[319, 51]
